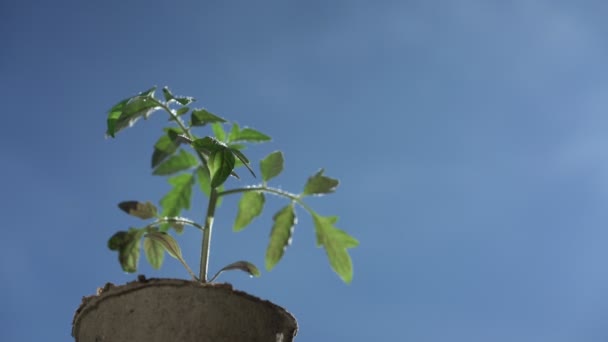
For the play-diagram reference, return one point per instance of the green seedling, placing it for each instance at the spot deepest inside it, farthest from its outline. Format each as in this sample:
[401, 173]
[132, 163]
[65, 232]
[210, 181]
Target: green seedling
[210, 161]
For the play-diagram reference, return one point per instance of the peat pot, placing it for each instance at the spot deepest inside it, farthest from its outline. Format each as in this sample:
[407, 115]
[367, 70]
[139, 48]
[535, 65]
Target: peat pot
[172, 310]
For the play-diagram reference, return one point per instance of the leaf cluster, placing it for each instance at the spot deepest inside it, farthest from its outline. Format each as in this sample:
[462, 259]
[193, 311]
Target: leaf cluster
[210, 161]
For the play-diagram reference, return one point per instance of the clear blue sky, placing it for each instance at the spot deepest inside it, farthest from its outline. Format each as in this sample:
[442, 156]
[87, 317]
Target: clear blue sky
[471, 139]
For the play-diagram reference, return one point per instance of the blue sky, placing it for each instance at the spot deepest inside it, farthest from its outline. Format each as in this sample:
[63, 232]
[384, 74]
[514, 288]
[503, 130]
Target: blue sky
[469, 137]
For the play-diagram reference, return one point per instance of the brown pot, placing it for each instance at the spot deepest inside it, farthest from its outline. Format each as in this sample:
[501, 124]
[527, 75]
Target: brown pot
[179, 310]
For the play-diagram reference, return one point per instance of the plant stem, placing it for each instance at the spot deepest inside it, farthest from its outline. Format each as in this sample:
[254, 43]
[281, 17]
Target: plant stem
[212, 199]
[175, 117]
[213, 196]
[188, 269]
[275, 191]
[182, 126]
[179, 220]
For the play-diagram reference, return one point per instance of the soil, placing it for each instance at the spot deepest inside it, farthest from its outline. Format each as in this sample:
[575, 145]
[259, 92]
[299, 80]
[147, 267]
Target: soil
[238, 311]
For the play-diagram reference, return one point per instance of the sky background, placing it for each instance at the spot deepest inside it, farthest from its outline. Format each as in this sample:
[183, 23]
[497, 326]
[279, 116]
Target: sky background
[470, 138]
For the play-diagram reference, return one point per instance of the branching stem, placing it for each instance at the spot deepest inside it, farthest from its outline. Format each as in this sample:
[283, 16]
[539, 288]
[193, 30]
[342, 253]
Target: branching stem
[180, 220]
[182, 126]
[271, 190]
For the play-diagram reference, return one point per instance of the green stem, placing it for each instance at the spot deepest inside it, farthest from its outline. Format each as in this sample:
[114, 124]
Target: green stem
[182, 126]
[267, 189]
[180, 220]
[213, 196]
[188, 269]
[177, 119]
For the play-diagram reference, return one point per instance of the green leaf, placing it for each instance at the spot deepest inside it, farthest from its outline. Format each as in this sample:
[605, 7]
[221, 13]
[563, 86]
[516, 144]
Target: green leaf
[201, 117]
[114, 115]
[221, 164]
[234, 132]
[218, 131]
[184, 100]
[208, 145]
[204, 181]
[272, 165]
[237, 146]
[155, 252]
[125, 113]
[335, 241]
[319, 184]
[179, 196]
[174, 134]
[244, 266]
[249, 135]
[243, 159]
[182, 111]
[250, 207]
[176, 163]
[165, 146]
[142, 210]
[280, 236]
[168, 243]
[167, 93]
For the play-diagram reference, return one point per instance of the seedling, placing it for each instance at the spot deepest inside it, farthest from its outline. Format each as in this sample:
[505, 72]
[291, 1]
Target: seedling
[211, 161]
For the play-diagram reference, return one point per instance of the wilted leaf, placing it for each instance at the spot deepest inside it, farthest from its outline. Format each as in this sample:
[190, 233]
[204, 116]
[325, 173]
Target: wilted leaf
[176, 163]
[178, 227]
[155, 253]
[221, 164]
[272, 165]
[280, 236]
[119, 240]
[319, 184]
[244, 266]
[335, 241]
[250, 207]
[179, 196]
[201, 117]
[129, 257]
[127, 245]
[142, 210]
[168, 243]
[171, 246]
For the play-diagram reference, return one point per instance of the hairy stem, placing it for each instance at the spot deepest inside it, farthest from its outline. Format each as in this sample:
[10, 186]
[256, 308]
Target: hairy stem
[182, 126]
[207, 229]
[180, 220]
[188, 269]
[270, 190]
[213, 196]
